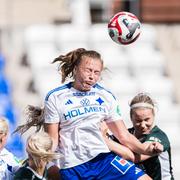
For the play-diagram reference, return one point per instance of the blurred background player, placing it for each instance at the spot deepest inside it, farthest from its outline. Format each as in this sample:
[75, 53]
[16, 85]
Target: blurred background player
[8, 162]
[35, 117]
[142, 113]
[39, 149]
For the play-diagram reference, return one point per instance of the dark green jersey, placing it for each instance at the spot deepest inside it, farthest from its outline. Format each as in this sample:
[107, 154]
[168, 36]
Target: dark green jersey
[158, 167]
[26, 173]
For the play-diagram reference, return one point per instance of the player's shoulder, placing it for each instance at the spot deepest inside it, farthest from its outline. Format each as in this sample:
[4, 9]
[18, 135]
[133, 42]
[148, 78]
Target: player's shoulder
[58, 90]
[104, 90]
[9, 157]
[5, 153]
[23, 173]
[158, 135]
[158, 131]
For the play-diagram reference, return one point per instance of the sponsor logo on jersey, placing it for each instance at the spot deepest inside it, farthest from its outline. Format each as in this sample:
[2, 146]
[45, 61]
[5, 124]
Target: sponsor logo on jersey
[84, 94]
[100, 101]
[84, 110]
[85, 102]
[68, 102]
[137, 170]
[155, 139]
[121, 164]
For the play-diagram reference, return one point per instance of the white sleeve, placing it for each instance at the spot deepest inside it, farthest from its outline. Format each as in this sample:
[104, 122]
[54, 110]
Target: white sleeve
[114, 111]
[51, 113]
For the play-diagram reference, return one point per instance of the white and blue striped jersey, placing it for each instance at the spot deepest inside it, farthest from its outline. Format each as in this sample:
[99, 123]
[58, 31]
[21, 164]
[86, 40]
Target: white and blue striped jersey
[79, 115]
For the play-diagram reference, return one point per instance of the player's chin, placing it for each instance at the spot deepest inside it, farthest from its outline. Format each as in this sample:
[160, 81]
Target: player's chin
[87, 87]
[145, 132]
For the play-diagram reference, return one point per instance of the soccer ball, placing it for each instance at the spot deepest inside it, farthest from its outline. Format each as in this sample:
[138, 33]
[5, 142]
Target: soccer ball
[124, 28]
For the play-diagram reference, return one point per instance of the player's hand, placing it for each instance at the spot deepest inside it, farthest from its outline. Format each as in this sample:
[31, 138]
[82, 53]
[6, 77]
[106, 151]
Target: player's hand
[153, 148]
[149, 148]
[158, 148]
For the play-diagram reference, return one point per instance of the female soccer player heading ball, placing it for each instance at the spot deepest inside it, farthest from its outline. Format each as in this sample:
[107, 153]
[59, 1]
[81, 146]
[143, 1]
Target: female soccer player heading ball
[73, 113]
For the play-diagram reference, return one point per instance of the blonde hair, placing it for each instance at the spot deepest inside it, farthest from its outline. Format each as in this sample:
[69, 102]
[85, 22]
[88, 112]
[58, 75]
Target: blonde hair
[39, 148]
[4, 126]
[142, 100]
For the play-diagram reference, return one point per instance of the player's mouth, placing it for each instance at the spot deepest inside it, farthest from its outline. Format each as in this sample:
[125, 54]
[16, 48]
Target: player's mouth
[88, 85]
[145, 131]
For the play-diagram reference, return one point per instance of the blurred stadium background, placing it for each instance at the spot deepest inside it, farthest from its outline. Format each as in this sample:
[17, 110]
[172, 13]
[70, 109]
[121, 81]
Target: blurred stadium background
[33, 33]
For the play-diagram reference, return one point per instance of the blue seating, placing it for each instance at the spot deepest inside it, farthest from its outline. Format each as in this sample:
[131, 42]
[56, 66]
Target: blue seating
[4, 85]
[7, 109]
[16, 146]
[2, 63]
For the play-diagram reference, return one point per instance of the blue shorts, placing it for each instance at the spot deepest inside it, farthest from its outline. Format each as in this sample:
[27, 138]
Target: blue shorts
[106, 166]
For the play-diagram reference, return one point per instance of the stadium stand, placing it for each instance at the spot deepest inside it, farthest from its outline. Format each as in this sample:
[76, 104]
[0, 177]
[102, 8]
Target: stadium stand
[8, 110]
[69, 36]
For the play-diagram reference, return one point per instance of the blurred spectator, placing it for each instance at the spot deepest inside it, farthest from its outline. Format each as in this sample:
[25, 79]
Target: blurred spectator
[39, 149]
[8, 162]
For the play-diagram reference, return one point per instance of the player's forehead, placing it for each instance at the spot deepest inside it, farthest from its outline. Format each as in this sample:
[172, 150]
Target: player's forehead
[91, 62]
[142, 112]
